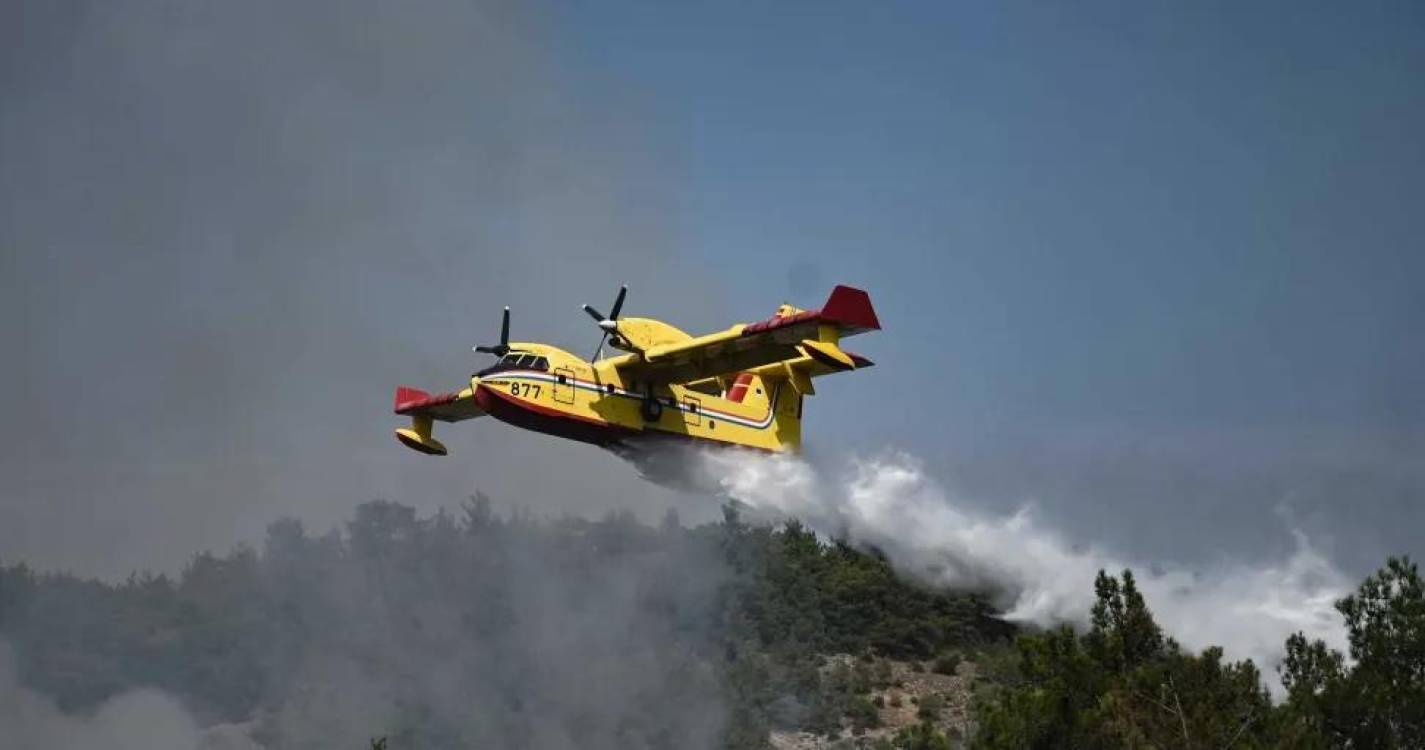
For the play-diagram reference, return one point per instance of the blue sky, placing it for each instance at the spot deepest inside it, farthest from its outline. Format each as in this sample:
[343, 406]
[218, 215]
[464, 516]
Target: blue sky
[1136, 213]
[1089, 228]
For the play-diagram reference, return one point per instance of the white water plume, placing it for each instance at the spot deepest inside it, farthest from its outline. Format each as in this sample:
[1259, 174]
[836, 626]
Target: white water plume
[890, 504]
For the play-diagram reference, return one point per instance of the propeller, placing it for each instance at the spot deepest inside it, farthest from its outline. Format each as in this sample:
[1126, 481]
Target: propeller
[502, 348]
[608, 324]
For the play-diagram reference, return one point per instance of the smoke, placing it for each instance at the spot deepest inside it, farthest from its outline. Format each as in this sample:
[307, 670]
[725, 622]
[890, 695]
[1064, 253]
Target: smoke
[136, 720]
[229, 230]
[889, 503]
[433, 632]
[558, 634]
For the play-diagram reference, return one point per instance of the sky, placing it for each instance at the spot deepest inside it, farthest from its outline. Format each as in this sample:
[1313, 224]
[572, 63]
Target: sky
[1153, 270]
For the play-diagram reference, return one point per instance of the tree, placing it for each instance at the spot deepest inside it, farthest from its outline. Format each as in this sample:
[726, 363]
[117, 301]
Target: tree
[479, 514]
[1122, 684]
[1124, 635]
[1380, 700]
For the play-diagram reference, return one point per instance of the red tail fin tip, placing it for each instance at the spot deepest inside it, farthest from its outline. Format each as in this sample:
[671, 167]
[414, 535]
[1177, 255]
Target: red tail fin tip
[851, 308]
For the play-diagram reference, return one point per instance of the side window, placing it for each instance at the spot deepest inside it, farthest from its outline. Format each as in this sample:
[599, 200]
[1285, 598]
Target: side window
[541, 364]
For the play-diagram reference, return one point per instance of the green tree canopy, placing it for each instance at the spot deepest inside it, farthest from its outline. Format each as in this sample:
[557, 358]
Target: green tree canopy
[1123, 684]
[1378, 700]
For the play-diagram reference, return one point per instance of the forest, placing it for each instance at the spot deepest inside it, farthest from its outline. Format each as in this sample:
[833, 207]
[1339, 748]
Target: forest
[473, 629]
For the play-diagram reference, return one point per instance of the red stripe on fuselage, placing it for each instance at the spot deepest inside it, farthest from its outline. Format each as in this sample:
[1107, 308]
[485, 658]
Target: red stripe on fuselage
[531, 416]
[538, 418]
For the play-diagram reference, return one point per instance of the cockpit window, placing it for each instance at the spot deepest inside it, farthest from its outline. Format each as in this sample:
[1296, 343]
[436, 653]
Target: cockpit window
[516, 361]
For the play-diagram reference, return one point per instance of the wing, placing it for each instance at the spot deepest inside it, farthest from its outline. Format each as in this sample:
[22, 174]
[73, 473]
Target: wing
[424, 409]
[808, 337]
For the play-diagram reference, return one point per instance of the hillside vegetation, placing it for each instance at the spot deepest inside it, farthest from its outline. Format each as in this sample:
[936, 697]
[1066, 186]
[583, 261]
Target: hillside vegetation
[474, 630]
[1125, 684]
[477, 630]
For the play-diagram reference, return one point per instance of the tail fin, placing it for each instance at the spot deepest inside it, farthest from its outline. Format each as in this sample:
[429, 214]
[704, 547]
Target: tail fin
[783, 384]
[849, 309]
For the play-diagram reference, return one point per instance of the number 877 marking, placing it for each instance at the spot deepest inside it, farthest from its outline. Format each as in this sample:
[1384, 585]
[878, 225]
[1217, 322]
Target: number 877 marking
[523, 389]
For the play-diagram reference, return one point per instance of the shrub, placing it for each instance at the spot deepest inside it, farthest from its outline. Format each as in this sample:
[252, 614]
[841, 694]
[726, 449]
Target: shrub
[947, 663]
[863, 714]
[861, 678]
[923, 736]
[930, 707]
[881, 674]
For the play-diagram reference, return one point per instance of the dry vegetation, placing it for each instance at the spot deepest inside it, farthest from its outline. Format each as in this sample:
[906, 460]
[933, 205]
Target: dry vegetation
[904, 694]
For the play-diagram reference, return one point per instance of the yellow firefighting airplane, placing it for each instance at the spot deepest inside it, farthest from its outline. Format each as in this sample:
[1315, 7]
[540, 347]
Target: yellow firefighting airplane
[742, 386]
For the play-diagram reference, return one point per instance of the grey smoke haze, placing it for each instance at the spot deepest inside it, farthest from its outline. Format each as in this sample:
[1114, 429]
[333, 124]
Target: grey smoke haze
[229, 230]
[136, 720]
[464, 630]
[516, 639]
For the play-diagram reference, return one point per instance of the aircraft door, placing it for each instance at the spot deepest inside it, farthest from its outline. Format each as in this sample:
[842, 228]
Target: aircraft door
[692, 411]
[564, 386]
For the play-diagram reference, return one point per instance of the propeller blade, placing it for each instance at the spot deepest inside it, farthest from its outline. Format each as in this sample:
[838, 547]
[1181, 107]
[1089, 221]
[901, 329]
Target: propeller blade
[502, 348]
[608, 324]
[599, 352]
[618, 302]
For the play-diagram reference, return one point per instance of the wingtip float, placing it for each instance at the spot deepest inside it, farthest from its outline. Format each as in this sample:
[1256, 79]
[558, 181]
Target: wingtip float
[742, 386]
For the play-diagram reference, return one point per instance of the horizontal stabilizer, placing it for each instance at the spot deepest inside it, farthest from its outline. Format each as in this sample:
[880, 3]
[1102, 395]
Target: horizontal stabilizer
[829, 355]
